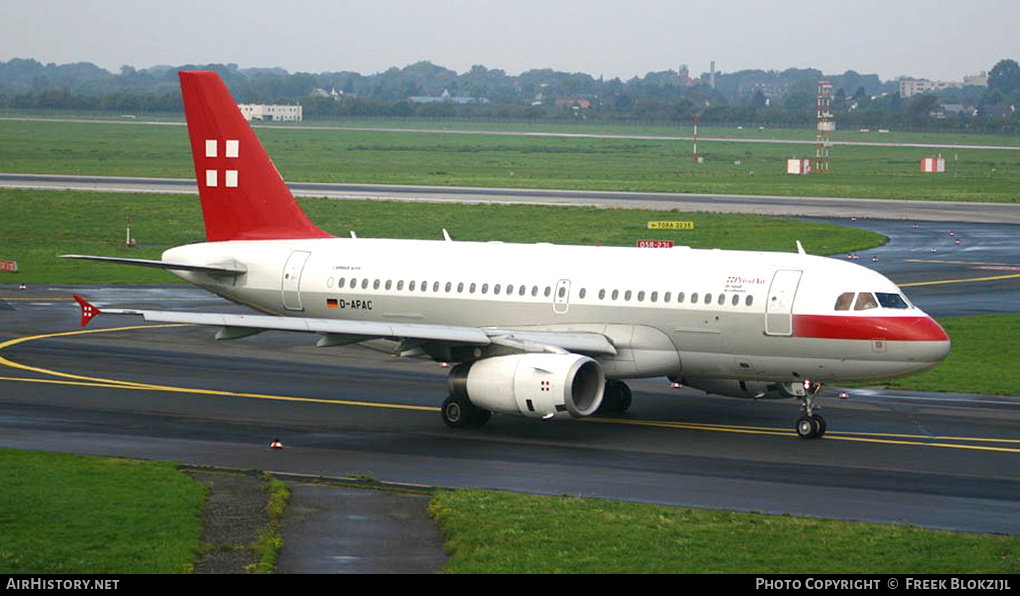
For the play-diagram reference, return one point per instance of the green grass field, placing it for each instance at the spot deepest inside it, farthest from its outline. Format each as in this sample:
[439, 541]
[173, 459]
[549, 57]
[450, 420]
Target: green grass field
[40, 225]
[494, 532]
[404, 157]
[83, 515]
[983, 358]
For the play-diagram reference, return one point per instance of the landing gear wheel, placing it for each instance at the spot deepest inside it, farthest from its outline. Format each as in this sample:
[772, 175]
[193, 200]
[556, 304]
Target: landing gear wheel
[811, 427]
[616, 398]
[461, 413]
[806, 427]
[454, 413]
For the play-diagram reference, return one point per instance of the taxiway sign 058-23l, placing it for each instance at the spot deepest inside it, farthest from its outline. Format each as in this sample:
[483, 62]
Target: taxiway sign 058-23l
[538, 330]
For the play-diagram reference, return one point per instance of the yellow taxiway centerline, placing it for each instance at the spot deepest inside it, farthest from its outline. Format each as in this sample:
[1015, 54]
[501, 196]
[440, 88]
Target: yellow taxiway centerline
[959, 281]
[82, 380]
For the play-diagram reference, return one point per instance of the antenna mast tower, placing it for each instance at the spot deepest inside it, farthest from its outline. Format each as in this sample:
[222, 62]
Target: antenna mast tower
[825, 126]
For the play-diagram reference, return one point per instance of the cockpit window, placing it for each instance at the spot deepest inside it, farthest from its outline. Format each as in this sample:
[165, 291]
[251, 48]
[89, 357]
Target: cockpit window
[844, 301]
[865, 301]
[891, 300]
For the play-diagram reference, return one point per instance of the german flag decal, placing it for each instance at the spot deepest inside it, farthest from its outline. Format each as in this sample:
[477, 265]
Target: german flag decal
[331, 302]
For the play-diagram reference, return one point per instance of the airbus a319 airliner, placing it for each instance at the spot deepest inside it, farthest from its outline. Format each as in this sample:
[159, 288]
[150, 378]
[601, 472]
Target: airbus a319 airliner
[538, 330]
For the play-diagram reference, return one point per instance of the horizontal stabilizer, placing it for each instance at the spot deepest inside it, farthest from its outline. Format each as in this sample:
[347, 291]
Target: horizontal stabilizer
[222, 269]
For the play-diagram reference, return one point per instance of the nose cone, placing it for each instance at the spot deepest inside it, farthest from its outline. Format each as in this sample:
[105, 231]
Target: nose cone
[926, 343]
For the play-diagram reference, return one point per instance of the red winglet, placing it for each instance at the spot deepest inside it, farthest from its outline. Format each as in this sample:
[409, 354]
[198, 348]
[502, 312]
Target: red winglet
[87, 310]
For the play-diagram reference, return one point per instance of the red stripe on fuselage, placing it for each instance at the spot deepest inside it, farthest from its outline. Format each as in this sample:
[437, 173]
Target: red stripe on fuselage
[868, 328]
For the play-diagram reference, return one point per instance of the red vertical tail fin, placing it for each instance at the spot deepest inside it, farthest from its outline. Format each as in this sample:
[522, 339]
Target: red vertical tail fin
[243, 196]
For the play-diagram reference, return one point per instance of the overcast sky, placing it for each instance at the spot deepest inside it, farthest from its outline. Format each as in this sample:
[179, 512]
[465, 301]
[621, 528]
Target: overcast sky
[928, 39]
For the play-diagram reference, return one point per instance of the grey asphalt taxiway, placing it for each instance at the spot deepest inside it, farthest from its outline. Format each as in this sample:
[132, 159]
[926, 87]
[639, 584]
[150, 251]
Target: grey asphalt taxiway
[173, 393]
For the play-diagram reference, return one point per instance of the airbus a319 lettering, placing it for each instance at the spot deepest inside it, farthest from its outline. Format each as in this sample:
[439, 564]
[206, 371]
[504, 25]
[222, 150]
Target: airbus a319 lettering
[538, 330]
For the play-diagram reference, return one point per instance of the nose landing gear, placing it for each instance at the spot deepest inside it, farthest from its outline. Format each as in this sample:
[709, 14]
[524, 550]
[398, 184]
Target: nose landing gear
[810, 425]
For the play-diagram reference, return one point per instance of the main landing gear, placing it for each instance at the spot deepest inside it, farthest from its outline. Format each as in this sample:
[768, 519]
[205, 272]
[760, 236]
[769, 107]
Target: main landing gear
[616, 398]
[810, 425]
[459, 412]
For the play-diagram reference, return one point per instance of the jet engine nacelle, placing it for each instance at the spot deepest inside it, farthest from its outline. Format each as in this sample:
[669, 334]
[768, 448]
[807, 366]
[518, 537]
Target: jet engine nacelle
[532, 385]
[745, 389]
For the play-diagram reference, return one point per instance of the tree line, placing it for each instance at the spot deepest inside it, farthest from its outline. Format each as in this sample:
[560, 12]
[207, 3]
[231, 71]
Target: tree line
[749, 97]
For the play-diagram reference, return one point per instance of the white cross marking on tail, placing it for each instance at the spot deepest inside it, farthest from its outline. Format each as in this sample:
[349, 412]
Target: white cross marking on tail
[232, 149]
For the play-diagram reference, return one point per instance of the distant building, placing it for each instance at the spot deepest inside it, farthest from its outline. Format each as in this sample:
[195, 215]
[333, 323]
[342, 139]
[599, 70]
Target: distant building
[685, 76]
[772, 90]
[322, 93]
[979, 80]
[266, 113]
[912, 87]
[953, 109]
[446, 98]
[571, 102]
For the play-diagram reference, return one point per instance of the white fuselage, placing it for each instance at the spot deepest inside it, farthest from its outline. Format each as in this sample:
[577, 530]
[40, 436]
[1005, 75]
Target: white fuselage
[704, 313]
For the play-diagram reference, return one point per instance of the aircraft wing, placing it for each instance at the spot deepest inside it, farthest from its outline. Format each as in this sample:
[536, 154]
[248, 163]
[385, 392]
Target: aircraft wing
[340, 331]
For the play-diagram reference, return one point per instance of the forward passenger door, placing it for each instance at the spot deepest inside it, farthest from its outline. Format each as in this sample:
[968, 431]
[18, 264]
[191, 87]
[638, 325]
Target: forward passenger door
[779, 308]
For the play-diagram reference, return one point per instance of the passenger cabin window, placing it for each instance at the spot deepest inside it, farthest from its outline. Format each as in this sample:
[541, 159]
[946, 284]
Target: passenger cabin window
[844, 301]
[865, 301]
